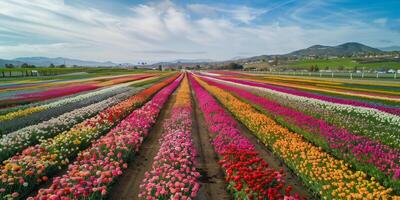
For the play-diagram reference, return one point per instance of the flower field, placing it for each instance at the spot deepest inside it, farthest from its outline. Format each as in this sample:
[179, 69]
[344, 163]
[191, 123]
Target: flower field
[36, 163]
[379, 158]
[331, 177]
[143, 136]
[104, 161]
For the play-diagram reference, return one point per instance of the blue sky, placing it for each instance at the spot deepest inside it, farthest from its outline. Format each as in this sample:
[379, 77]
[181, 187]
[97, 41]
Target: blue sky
[151, 31]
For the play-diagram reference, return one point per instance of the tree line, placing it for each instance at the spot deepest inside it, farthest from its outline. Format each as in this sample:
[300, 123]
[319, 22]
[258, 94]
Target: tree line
[26, 65]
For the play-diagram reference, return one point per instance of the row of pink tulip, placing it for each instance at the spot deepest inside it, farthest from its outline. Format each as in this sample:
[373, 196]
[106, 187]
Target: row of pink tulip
[173, 174]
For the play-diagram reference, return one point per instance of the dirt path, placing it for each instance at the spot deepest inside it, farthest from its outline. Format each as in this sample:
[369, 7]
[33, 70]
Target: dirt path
[127, 186]
[212, 178]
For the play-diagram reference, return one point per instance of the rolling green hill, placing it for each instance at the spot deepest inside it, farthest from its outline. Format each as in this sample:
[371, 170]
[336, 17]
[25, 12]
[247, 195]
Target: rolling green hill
[346, 49]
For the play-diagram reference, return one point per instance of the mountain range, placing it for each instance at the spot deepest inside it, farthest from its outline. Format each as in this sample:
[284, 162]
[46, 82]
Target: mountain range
[346, 49]
[44, 61]
[390, 48]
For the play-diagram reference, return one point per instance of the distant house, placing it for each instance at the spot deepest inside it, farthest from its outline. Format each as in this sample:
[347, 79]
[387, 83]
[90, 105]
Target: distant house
[35, 73]
[310, 57]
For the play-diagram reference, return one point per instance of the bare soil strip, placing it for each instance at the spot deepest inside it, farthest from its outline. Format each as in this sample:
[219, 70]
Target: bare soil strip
[127, 186]
[212, 178]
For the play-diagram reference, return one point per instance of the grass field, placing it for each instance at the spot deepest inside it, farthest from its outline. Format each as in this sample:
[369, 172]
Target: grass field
[62, 73]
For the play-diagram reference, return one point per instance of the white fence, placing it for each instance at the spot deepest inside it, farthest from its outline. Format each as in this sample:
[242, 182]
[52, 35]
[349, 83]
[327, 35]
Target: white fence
[350, 75]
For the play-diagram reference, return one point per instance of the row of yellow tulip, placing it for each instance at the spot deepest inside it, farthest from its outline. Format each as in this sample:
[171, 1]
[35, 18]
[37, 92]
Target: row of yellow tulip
[23, 112]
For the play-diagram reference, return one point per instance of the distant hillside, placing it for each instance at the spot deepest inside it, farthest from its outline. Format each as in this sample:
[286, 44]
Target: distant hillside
[44, 61]
[391, 48]
[3, 62]
[180, 62]
[192, 61]
[346, 49]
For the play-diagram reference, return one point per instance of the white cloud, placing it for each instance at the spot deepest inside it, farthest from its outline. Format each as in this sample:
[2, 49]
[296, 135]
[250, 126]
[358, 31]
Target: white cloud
[381, 21]
[242, 14]
[162, 31]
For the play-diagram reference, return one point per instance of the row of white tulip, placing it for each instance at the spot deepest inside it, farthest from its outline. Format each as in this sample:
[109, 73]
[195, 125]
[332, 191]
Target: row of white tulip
[40, 106]
[18, 140]
[44, 115]
[85, 96]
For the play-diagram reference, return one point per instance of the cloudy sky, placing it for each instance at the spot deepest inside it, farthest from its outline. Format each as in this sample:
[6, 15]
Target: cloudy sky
[150, 31]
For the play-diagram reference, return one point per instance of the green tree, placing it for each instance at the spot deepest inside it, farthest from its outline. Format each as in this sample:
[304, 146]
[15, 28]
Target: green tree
[25, 65]
[52, 65]
[275, 63]
[9, 66]
[234, 66]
